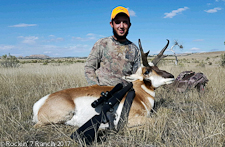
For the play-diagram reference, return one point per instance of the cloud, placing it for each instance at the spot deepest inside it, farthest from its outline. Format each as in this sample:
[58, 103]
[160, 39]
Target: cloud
[131, 12]
[89, 36]
[175, 12]
[47, 52]
[213, 10]
[77, 48]
[28, 45]
[198, 40]
[53, 39]
[67, 50]
[6, 47]
[23, 25]
[194, 49]
[50, 45]
[219, 0]
[29, 39]
[58, 39]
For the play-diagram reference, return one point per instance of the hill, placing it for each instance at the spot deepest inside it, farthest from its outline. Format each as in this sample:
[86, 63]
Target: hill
[39, 56]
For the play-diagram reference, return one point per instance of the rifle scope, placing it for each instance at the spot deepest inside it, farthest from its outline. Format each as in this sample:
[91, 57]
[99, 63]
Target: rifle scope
[105, 96]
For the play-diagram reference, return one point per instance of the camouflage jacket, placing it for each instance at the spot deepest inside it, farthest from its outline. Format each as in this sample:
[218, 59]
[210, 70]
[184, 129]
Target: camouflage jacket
[110, 60]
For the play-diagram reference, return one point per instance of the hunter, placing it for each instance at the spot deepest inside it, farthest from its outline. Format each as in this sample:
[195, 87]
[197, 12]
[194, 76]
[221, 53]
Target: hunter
[113, 57]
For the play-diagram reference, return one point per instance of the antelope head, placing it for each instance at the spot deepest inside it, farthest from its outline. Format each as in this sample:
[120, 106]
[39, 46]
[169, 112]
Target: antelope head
[149, 72]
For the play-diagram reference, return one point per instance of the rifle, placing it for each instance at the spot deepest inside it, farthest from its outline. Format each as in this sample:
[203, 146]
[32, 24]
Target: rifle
[88, 130]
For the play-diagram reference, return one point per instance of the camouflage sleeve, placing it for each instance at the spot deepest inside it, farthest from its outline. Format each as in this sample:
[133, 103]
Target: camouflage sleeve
[92, 64]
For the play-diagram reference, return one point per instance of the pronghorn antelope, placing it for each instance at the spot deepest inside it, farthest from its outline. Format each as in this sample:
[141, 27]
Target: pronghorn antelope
[73, 106]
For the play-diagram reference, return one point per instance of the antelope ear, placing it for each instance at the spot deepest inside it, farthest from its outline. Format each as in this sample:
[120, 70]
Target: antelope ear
[137, 76]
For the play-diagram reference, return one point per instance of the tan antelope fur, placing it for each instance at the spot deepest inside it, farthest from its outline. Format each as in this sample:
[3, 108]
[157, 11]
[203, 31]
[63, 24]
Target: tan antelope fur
[73, 106]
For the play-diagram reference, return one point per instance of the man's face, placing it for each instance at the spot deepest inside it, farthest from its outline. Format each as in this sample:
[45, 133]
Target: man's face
[120, 25]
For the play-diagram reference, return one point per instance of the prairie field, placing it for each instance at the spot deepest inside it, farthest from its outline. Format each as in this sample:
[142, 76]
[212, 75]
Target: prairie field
[187, 119]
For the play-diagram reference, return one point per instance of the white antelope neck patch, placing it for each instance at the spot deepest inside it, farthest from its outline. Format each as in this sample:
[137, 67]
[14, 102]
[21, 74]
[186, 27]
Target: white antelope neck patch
[152, 93]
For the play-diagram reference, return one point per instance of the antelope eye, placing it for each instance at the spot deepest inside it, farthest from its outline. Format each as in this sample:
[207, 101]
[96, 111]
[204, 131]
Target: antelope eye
[146, 72]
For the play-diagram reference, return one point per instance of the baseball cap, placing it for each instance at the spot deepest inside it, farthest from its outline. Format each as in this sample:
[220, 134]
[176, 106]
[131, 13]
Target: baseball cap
[118, 10]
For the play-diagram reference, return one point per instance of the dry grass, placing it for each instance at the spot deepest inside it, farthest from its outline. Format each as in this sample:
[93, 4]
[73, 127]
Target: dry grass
[179, 119]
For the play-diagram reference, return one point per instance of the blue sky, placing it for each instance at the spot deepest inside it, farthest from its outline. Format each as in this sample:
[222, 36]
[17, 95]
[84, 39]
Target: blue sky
[62, 28]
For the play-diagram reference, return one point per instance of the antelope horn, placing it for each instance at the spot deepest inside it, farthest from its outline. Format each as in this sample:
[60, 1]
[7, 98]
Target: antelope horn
[160, 55]
[144, 56]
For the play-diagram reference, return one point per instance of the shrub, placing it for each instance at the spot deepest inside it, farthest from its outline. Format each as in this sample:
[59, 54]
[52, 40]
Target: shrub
[59, 61]
[195, 61]
[222, 60]
[45, 62]
[9, 61]
[34, 61]
[201, 64]
[181, 64]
